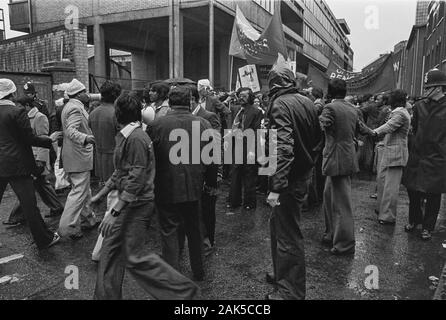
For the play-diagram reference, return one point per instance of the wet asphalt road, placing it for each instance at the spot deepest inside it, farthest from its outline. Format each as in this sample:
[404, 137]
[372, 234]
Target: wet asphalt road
[237, 268]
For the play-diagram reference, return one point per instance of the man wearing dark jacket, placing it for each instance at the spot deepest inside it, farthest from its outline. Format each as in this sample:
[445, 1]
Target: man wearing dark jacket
[210, 187]
[179, 181]
[247, 120]
[425, 176]
[18, 164]
[298, 142]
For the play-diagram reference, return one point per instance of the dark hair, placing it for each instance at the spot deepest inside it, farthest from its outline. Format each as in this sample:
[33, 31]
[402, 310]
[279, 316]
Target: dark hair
[25, 101]
[180, 96]
[317, 93]
[386, 98]
[366, 97]
[110, 91]
[397, 98]
[193, 91]
[250, 93]
[162, 88]
[337, 89]
[128, 108]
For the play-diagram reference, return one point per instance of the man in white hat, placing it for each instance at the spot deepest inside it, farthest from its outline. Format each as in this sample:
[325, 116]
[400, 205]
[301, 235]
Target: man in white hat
[77, 160]
[18, 164]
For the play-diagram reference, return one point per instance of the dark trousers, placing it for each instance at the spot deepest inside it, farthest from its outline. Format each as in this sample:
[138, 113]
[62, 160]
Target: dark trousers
[174, 216]
[47, 194]
[243, 176]
[24, 189]
[287, 243]
[124, 250]
[433, 203]
[208, 202]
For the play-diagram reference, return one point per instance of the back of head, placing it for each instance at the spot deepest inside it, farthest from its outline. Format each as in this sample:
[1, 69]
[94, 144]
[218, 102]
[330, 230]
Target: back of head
[7, 87]
[317, 92]
[180, 96]
[128, 108]
[281, 76]
[25, 101]
[398, 98]
[110, 91]
[337, 89]
[162, 88]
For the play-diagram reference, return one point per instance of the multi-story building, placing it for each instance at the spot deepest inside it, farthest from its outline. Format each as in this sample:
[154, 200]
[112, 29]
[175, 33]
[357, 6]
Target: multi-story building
[413, 69]
[422, 12]
[325, 36]
[2, 25]
[187, 38]
[434, 46]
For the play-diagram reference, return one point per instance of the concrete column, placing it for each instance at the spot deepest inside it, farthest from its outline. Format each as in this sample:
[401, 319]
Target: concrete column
[176, 69]
[211, 41]
[100, 54]
[143, 69]
[224, 61]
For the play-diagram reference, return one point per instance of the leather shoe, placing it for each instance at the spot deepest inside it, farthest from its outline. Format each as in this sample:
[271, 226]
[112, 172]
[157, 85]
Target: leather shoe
[270, 278]
[386, 223]
[12, 224]
[274, 296]
[336, 252]
[327, 242]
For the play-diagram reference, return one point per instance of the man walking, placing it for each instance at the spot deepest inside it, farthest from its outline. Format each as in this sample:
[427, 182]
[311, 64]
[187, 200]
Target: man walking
[425, 176]
[18, 164]
[298, 142]
[40, 126]
[77, 158]
[125, 227]
[179, 182]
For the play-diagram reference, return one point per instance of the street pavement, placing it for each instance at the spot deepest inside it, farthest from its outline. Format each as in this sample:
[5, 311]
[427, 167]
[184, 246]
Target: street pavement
[236, 270]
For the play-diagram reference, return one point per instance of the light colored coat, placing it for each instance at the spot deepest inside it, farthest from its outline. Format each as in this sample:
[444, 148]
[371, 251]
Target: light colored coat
[76, 156]
[41, 127]
[396, 130]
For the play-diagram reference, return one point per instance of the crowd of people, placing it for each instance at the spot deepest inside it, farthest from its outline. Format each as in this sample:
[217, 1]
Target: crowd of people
[127, 140]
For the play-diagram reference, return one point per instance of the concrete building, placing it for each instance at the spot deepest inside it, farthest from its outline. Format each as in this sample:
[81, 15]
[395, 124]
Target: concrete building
[2, 25]
[434, 47]
[413, 71]
[186, 38]
[422, 12]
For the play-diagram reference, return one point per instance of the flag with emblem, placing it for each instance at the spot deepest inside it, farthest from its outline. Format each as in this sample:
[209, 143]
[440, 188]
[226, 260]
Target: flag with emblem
[261, 49]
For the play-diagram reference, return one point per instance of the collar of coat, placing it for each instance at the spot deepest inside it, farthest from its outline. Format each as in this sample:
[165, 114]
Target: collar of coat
[128, 129]
[33, 112]
[6, 103]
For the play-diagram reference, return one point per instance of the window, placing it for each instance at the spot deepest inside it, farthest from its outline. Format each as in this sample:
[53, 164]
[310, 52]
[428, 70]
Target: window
[268, 5]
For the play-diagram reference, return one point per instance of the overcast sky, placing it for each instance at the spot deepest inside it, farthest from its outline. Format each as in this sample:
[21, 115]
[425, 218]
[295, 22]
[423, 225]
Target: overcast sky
[368, 39]
[369, 36]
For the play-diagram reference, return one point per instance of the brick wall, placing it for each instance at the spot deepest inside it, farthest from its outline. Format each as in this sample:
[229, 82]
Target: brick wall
[29, 53]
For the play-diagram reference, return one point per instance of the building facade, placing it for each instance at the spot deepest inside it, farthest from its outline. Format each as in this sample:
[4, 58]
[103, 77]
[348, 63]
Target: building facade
[186, 38]
[422, 12]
